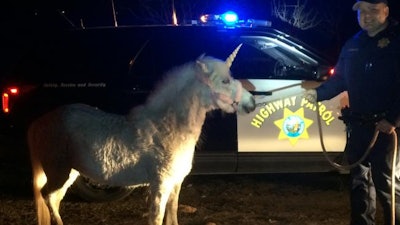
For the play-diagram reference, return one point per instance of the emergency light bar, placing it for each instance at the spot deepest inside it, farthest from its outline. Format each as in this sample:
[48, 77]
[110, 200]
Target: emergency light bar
[229, 20]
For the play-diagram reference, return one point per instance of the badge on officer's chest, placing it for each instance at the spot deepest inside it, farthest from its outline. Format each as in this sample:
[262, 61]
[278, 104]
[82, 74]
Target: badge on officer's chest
[384, 42]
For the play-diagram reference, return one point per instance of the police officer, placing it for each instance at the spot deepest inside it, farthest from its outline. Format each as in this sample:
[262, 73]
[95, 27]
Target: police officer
[368, 68]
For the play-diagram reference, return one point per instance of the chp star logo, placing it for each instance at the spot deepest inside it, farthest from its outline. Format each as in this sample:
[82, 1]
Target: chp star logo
[384, 42]
[293, 125]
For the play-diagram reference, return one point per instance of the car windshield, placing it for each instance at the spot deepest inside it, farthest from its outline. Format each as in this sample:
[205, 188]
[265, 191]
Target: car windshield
[279, 50]
[263, 57]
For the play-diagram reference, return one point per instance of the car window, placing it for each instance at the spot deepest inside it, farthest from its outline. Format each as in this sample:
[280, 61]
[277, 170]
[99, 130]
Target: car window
[269, 58]
[252, 63]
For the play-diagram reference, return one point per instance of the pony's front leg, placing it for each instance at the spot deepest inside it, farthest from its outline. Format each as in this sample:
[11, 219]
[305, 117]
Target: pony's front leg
[171, 211]
[159, 195]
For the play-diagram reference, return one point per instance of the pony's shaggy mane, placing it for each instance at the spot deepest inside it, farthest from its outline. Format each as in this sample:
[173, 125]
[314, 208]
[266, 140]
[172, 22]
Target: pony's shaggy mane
[176, 81]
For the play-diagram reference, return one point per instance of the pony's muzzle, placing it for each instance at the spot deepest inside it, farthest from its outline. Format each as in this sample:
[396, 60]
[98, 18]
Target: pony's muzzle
[251, 106]
[243, 99]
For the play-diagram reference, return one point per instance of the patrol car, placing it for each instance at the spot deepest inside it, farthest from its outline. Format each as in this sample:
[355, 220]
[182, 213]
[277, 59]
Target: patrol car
[115, 68]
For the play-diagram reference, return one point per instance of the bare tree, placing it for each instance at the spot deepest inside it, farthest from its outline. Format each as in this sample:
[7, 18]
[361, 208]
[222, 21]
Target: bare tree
[298, 13]
[156, 11]
[165, 12]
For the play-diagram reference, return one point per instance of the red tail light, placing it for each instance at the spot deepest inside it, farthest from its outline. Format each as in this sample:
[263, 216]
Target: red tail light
[5, 98]
[5, 103]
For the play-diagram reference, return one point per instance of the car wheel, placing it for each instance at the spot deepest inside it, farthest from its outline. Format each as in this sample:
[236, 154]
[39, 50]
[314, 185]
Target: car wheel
[91, 191]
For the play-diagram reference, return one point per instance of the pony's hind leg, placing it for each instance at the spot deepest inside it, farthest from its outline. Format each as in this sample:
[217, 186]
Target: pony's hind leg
[54, 190]
[56, 196]
[39, 181]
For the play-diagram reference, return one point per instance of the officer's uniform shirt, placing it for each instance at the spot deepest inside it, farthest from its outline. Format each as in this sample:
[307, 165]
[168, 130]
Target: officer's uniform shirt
[369, 69]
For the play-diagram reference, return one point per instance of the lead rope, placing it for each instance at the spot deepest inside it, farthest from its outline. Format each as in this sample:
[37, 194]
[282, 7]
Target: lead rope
[394, 162]
[334, 164]
[371, 144]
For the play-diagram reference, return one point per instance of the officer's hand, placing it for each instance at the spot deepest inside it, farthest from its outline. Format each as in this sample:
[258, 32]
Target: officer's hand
[385, 127]
[310, 95]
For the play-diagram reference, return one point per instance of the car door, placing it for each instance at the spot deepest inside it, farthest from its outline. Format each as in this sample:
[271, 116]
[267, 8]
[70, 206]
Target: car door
[283, 133]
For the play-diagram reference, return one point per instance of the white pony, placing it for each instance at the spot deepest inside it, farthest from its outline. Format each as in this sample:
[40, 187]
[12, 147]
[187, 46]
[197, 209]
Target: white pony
[152, 145]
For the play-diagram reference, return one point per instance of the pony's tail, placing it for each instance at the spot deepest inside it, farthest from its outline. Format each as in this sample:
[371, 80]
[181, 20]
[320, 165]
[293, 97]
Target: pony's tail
[39, 180]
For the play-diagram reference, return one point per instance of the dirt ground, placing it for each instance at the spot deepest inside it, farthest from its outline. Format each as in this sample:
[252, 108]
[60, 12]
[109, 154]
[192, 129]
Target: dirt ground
[278, 199]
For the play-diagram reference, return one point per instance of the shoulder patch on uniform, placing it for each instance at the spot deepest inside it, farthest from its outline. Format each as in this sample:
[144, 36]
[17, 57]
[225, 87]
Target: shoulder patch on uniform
[383, 42]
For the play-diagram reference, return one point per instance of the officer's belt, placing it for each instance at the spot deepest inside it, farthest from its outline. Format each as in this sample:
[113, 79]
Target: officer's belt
[361, 119]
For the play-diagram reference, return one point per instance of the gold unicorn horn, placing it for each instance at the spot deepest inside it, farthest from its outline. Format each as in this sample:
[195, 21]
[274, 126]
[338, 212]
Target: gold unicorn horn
[230, 59]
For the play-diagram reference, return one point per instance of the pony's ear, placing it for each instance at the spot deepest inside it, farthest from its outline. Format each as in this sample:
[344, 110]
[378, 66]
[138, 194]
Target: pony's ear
[202, 66]
[201, 56]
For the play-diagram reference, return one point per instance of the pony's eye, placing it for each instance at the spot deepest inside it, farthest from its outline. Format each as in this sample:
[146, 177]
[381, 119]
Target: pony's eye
[226, 81]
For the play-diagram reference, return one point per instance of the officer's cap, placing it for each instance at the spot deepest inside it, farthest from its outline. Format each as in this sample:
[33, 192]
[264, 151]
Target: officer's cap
[357, 4]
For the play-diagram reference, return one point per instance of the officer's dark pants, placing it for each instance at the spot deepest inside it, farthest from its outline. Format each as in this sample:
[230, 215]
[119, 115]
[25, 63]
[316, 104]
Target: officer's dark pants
[371, 179]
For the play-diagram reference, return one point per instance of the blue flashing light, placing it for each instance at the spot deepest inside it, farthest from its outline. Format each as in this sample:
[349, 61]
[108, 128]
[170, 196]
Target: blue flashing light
[230, 18]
